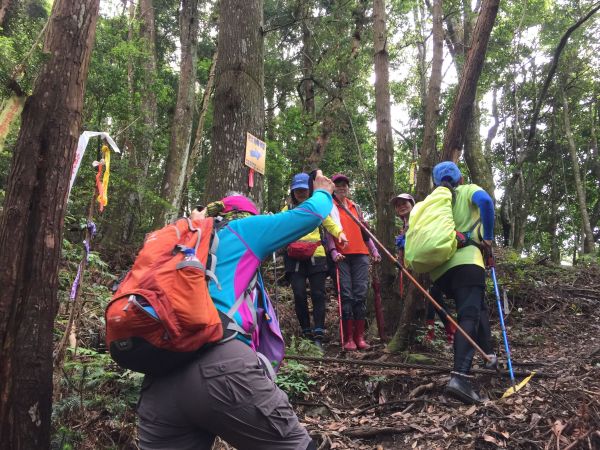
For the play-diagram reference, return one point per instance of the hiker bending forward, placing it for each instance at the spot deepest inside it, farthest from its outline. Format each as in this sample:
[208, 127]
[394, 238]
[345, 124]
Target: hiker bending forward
[403, 205]
[462, 277]
[353, 267]
[305, 260]
[225, 391]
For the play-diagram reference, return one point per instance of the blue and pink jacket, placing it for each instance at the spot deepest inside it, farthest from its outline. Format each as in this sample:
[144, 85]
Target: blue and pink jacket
[244, 243]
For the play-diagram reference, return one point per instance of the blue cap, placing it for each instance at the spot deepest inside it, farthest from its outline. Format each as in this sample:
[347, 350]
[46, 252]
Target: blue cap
[300, 181]
[446, 170]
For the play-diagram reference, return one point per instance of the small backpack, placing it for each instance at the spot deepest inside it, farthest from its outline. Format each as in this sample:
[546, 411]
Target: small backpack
[162, 312]
[431, 238]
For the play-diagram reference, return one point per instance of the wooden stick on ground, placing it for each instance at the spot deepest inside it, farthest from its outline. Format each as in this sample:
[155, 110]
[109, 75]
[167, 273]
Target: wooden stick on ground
[395, 365]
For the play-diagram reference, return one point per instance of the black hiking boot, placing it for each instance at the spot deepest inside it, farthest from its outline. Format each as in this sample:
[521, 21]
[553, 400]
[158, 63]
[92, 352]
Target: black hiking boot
[460, 388]
[318, 335]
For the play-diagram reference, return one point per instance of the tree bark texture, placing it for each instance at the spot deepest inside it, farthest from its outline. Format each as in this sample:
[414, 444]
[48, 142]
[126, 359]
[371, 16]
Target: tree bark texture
[385, 155]
[181, 128]
[145, 141]
[32, 223]
[427, 159]
[467, 88]
[238, 98]
[308, 85]
[4, 6]
[588, 236]
[479, 166]
[197, 150]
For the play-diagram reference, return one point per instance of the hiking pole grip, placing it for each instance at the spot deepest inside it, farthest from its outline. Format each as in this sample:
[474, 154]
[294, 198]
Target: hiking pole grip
[414, 281]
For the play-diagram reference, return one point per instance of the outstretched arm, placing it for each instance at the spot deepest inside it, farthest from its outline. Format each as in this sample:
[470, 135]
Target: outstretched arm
[486, 210]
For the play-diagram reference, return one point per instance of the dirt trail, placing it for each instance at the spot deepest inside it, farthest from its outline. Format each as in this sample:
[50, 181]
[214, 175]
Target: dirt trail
[554, 326]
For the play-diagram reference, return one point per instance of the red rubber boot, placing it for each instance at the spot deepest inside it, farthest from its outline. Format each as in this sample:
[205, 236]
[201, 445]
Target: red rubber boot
[450, 332]
[359, 335]
[348, 326]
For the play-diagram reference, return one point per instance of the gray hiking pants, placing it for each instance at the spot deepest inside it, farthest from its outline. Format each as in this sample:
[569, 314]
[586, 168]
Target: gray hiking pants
[225, 393]
[354, 284]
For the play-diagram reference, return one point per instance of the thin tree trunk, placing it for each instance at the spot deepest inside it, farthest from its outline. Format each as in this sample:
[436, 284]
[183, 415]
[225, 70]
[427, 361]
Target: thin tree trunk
[479, 167]
[148, 104]
[32, 223]
[427, 159]
[588, 237]
[463, 105]
[385, 156]
[238, 100]
[181, 129]
[4, 6]
[493, 131]
[320, 144]
[197, 150]
[308, 85]
[141, 148]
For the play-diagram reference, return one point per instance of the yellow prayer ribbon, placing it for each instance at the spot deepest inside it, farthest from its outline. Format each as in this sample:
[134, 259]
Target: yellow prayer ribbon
[103, 197]
[411, 173]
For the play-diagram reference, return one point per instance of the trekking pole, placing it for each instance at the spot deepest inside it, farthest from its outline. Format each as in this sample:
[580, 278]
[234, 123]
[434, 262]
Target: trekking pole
[339, 295]
[415, 282]
[504, 335]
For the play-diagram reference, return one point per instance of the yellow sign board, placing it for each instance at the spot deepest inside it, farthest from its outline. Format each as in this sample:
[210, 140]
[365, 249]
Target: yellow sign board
[256, 151]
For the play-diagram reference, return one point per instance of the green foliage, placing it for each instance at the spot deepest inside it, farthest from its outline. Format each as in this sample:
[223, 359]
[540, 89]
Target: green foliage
[294, 379]
[92, 384]
[303, 347]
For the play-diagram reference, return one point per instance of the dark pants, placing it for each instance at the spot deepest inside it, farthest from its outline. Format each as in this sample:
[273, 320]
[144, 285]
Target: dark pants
[315, 271]
[438, 296]
[225, 393]
[354, 284]
[466, 285]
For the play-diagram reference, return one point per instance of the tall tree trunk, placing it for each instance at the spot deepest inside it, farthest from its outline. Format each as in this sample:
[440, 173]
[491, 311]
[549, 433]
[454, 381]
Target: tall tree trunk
[427, 159]
[463, 105]
[32, 223]
[588, 237]
[197, 150]
[4, 7]
[479, 167]
[308, 85]
[181, 129]
[385, 156]
[238, 98]
[493, 131]
[141, 149]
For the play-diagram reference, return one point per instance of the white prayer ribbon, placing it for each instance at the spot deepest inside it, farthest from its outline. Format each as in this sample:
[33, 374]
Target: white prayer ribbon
[82, 145]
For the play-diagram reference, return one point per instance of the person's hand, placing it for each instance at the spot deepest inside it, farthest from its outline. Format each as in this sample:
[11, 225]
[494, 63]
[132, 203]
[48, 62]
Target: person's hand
[337, 256]
[198, 215]
[488, 254]
[342, 240]
[322, 182]
[376, 257]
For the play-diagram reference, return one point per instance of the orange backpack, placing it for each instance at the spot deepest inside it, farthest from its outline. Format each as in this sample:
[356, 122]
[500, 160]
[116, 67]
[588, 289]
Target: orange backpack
[162, 313]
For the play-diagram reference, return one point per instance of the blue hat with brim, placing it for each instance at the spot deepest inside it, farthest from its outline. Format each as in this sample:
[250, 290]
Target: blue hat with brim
[448, 171]
[300, 181]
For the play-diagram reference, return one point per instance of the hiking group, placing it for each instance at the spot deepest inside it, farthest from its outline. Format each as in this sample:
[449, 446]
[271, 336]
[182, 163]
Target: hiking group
[194, 316]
